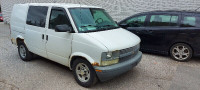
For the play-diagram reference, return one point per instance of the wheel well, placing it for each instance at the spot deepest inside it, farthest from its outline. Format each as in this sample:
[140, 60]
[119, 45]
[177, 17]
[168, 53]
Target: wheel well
[74, 58]
[181, 42]
[19, 40]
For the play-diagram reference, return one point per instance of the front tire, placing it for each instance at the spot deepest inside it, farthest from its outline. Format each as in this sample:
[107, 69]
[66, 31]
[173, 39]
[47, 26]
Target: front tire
[181, 52]
[24, 53]
[84, 73]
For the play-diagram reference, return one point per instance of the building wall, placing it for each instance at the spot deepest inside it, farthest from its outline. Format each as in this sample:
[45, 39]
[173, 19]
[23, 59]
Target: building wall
[118, 9]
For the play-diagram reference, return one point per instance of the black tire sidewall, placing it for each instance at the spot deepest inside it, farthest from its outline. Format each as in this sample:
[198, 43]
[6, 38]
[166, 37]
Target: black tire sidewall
[183, 44]
[28, 54]
[92, 79]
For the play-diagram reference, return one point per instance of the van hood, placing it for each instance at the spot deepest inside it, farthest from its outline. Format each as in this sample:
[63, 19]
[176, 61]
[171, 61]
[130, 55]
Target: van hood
[116, 39]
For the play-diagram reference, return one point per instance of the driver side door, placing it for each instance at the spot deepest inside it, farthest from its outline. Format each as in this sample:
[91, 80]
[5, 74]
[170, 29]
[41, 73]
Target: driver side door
[58, 44]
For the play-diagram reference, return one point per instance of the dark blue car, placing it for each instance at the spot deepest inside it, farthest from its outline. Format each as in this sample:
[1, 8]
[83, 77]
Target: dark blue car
[175, 33]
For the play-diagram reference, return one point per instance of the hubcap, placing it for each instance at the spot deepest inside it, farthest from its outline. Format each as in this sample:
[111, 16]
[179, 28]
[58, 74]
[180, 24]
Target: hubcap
[83, 72]
[180, 52]
[22, 51]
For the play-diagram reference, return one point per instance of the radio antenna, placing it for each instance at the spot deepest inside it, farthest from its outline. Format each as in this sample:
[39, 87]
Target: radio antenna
[197, 9]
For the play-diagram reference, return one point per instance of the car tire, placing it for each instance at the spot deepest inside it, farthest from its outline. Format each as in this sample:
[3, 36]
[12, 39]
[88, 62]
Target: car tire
[24, 53]
[84, 73]
[181, 52]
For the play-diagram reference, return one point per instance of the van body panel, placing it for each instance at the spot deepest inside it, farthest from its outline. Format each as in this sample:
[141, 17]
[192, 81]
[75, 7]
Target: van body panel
[59, 46]
[18, 20]
[114, 40]
[34, 41]
[80, 54]
[83, 43]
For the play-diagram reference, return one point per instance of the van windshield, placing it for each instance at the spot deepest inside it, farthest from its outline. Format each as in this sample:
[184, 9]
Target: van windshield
[92, 19]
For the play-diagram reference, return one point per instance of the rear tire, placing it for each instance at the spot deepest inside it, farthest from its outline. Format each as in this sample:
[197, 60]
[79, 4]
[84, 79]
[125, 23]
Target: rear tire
[181, 52]
[84, 73]
[24, 53]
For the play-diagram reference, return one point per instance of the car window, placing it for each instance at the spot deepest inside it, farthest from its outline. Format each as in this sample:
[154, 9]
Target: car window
[188, 21]
[37, 16]
[58, 17]
[163, 20]
[174, 21]
[137, 21]
[160, 20]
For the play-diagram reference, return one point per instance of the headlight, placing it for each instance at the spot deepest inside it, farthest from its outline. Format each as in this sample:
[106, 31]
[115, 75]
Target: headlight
[109, 58]
[109, 62]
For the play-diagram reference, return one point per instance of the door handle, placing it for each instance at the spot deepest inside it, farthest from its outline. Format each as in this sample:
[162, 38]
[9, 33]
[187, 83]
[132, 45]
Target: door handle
[150, 31]
[137, 31]
[43, 36]
[47, 37]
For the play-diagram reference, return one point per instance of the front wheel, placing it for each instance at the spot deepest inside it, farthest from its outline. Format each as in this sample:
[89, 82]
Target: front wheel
[84, 73]
[181, 52]
[24, 53]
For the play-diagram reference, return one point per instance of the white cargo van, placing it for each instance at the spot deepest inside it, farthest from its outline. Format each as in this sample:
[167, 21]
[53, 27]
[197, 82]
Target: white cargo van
[83, 38]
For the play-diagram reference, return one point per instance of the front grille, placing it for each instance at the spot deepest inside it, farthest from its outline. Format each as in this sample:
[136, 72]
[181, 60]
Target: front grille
[128, 53]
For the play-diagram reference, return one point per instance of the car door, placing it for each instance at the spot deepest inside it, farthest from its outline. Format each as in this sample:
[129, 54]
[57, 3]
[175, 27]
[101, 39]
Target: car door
[190, 30]
[58, 44]
[136, 25]
[35, 30]
[161, 30]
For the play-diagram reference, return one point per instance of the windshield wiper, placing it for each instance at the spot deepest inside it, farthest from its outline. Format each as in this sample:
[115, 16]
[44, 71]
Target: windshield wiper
[98, 28]
[108, 25]
[89, 26]
[113, 26]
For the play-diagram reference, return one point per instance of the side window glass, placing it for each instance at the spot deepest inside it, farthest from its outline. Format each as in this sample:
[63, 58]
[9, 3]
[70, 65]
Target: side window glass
[188, 21]
[160, 20]
[58, 17]
[163, 20]
[136, 21]
[37, 16]
[174, 21]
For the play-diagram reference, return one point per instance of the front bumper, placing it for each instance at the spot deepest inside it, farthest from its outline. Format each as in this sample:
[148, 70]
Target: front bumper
[109, 72]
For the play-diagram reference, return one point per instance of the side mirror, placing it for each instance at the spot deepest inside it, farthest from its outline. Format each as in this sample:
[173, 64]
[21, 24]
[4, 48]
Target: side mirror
[123, 25]
[63, 28]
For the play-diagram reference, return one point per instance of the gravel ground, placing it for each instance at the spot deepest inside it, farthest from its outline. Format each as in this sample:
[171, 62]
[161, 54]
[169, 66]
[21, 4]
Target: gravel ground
[154, 72]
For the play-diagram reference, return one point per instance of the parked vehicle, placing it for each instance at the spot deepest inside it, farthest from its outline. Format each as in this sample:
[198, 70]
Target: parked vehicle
[1, 17]
[83, 38]
[175, 33]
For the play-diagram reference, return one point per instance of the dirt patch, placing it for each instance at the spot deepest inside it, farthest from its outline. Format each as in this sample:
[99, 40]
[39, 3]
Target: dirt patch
[6, 86]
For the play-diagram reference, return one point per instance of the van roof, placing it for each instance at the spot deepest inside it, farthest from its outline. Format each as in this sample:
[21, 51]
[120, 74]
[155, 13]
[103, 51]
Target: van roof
[68, 5]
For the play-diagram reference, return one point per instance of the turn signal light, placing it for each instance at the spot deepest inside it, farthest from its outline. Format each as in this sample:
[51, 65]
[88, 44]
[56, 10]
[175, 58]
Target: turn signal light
[98, 70]
[95, 64]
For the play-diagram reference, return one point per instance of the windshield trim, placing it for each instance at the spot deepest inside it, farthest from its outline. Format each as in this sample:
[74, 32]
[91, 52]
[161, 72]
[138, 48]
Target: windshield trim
[91, 30]
[98, 30]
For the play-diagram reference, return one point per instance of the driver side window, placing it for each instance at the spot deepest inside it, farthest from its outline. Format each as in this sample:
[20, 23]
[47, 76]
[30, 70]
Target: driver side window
[58, 17]
[137, 21]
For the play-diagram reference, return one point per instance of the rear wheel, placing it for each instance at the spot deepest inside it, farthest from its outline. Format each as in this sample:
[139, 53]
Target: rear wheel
[84, 73]
[181, 52]
[24, 53]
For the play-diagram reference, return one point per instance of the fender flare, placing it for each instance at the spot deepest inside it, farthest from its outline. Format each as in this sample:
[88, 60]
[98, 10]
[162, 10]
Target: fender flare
[80, 54]
[19, 37]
